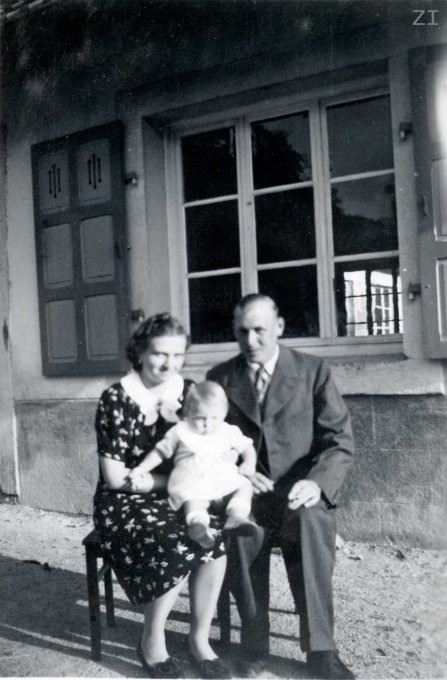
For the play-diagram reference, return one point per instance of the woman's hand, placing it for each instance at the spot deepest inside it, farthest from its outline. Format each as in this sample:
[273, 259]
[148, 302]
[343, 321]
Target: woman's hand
[116, 476]
[139, 481]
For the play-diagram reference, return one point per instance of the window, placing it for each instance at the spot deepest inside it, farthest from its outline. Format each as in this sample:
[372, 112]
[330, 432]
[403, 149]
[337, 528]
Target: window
[299, 205]
[81, 257]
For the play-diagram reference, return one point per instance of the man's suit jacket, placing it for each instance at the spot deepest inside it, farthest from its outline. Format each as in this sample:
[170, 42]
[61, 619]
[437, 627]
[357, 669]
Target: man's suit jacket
[305, 426]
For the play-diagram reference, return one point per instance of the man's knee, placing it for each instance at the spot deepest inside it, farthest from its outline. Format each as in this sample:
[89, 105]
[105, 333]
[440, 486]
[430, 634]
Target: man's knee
[317, 518]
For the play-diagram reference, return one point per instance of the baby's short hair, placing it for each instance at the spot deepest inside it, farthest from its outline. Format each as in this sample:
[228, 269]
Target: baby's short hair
[207, 392]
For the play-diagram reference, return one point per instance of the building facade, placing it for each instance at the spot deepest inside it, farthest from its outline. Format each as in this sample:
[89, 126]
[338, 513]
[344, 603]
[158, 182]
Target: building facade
[175, 156]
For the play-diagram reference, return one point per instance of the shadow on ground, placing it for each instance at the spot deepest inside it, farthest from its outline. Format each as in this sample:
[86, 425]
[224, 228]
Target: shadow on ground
[44, 629]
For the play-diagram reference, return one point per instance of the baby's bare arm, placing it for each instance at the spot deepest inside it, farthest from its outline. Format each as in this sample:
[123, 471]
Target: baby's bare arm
[150, 462]
[248, 465]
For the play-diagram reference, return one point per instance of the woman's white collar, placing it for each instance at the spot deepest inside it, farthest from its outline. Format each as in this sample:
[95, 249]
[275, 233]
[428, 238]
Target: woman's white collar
[163, 399]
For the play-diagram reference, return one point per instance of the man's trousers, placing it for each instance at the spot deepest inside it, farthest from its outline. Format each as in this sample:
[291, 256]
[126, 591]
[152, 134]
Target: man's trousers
[307, 540]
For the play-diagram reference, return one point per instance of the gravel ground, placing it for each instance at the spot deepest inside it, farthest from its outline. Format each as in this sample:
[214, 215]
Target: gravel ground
[391, 609]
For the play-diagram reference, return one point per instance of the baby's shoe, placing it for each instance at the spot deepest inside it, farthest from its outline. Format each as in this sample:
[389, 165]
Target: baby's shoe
[201, 534]
[241, 526]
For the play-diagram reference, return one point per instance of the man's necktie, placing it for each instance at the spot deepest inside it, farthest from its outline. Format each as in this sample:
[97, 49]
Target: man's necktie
[262, 380]
[261, 383]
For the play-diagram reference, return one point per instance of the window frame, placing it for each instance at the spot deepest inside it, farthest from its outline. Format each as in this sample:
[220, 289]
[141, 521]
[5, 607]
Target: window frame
[316, 102]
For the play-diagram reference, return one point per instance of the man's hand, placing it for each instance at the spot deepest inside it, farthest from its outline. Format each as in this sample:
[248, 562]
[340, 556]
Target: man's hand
[305, 492]
[260, 483]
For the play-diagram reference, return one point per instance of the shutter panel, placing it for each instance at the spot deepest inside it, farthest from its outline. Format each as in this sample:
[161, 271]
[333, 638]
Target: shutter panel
[80, 238]
[429, 102]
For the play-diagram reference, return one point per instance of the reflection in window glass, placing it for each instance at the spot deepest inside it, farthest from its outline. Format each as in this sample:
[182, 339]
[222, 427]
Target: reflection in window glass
[369, 298]
[212, 300]
[212, 236]
[281, 150]
[364, 215]
[360, 138]
[295, 290]
[209, 164]
[285, 228]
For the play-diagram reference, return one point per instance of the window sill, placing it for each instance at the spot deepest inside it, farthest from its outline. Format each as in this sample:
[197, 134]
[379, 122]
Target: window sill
[367, 366]
[341, 347]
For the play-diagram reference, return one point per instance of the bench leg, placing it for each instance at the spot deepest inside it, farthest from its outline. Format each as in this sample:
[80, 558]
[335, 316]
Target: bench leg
[110, 605]
[224, 615]
[93, 603]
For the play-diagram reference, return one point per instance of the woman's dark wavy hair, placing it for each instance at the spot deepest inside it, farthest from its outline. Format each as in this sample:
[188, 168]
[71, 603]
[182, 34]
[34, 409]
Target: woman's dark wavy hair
[153, 327]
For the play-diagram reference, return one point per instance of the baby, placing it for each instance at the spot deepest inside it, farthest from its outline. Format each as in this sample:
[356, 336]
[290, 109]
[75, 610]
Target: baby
[205, 449]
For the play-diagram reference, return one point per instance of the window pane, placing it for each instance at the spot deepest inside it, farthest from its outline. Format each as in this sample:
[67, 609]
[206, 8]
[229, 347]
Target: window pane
[209, 164]
[295, 291]
[281, 150]
[211, 302]
[285, 228]
[368, 297]
[364, 216]
[360, 137]
[212, 236]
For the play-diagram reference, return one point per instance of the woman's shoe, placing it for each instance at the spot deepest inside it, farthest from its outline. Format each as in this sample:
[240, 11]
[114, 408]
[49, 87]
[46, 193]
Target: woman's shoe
[210, 668]
[162, 669]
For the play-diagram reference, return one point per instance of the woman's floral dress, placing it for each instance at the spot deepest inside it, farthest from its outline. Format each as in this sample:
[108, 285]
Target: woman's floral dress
[144, 539]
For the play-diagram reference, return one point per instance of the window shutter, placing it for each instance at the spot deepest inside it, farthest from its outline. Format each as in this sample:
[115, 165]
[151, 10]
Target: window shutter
[429, 103]
[78, 186]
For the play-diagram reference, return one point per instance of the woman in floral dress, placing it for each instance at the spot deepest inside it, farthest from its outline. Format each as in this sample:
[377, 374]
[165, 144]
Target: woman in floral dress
[144, 539]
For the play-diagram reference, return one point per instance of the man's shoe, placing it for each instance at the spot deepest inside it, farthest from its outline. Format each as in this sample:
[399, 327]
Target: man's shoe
[251, 666]
[327, 665]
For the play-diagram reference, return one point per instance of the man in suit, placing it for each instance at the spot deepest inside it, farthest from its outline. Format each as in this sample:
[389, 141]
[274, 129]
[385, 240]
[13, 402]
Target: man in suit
[289, 405]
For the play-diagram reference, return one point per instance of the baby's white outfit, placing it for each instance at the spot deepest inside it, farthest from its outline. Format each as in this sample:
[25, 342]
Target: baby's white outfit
[200, 470]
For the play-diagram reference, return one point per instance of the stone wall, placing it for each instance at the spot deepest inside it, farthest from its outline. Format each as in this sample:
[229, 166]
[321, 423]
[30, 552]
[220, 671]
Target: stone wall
[58, 465]
[394, 493]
